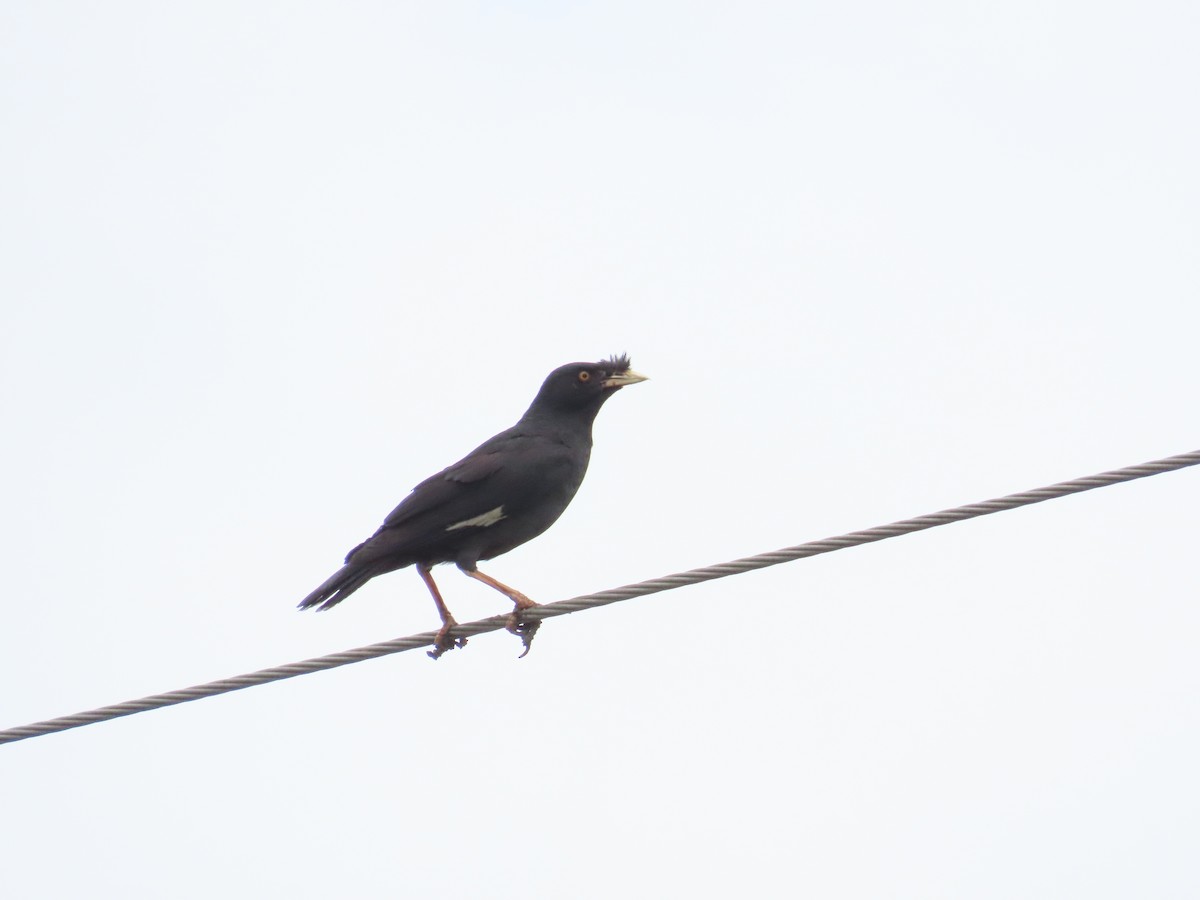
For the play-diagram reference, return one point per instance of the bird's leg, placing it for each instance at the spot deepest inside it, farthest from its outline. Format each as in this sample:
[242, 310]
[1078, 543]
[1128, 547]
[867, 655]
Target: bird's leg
[519, 599]
[517, 624]
[443, 641]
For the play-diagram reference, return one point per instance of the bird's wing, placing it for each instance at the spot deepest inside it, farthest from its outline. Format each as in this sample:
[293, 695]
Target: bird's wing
[446, 487]
[442, 489]
[501, 470]
[434, 504]
[475, 467]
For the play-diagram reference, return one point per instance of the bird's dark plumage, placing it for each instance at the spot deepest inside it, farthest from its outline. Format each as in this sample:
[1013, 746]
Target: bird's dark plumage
[506, 491]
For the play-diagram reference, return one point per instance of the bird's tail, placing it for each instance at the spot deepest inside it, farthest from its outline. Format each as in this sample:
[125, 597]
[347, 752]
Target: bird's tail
[338, 587]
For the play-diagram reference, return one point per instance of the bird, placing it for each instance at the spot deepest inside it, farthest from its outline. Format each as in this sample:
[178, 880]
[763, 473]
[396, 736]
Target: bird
[506, 491]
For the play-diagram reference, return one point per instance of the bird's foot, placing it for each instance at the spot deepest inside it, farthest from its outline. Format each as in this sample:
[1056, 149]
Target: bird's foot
[444, 641]
[523, 628]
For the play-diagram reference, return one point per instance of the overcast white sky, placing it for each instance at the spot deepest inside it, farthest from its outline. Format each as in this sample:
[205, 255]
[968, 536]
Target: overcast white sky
[265, 266]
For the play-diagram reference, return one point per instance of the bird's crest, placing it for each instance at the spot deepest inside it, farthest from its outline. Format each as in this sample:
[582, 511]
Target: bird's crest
[617, 365]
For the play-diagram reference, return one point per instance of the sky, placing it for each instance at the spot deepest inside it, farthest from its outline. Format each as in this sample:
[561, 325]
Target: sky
[266, 266]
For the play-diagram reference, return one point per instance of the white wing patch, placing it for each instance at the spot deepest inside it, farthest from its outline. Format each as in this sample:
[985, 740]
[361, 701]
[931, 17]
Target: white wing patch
[491, 517]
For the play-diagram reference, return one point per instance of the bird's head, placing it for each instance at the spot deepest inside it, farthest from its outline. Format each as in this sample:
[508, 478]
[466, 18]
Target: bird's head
[580, 387]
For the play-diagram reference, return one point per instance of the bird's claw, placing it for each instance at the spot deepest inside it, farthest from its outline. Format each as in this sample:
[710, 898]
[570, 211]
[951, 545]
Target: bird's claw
[445, 641]
[523, 628]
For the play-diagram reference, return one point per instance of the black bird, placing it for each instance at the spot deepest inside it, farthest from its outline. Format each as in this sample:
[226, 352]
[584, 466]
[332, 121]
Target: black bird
[506, 491]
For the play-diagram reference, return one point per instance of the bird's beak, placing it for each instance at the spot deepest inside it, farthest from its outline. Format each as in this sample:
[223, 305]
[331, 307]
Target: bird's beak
[623, 378]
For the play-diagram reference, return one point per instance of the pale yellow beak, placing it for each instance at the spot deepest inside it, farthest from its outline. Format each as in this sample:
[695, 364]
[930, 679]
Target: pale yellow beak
[627, 377]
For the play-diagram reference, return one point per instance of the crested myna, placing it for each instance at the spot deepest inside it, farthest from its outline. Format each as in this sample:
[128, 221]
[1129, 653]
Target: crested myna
[506, 491]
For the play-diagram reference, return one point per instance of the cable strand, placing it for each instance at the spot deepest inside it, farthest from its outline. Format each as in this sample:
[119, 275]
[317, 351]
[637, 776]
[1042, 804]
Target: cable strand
[606, 597]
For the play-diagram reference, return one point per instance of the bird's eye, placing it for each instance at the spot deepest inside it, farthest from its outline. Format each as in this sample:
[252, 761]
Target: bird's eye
[585, 375]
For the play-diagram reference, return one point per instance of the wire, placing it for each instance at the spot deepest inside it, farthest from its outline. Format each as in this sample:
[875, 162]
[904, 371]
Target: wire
[603, 598]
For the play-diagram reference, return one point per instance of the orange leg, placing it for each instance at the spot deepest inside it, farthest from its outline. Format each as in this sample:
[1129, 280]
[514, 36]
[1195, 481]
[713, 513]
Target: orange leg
[516, 624]
[521, 601]
[443, 641]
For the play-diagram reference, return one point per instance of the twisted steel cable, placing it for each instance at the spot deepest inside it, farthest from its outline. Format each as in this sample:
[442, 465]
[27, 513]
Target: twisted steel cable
[603, 598]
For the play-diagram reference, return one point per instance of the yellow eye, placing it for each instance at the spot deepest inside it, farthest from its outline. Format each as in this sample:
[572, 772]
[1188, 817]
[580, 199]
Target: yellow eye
[585, 375]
